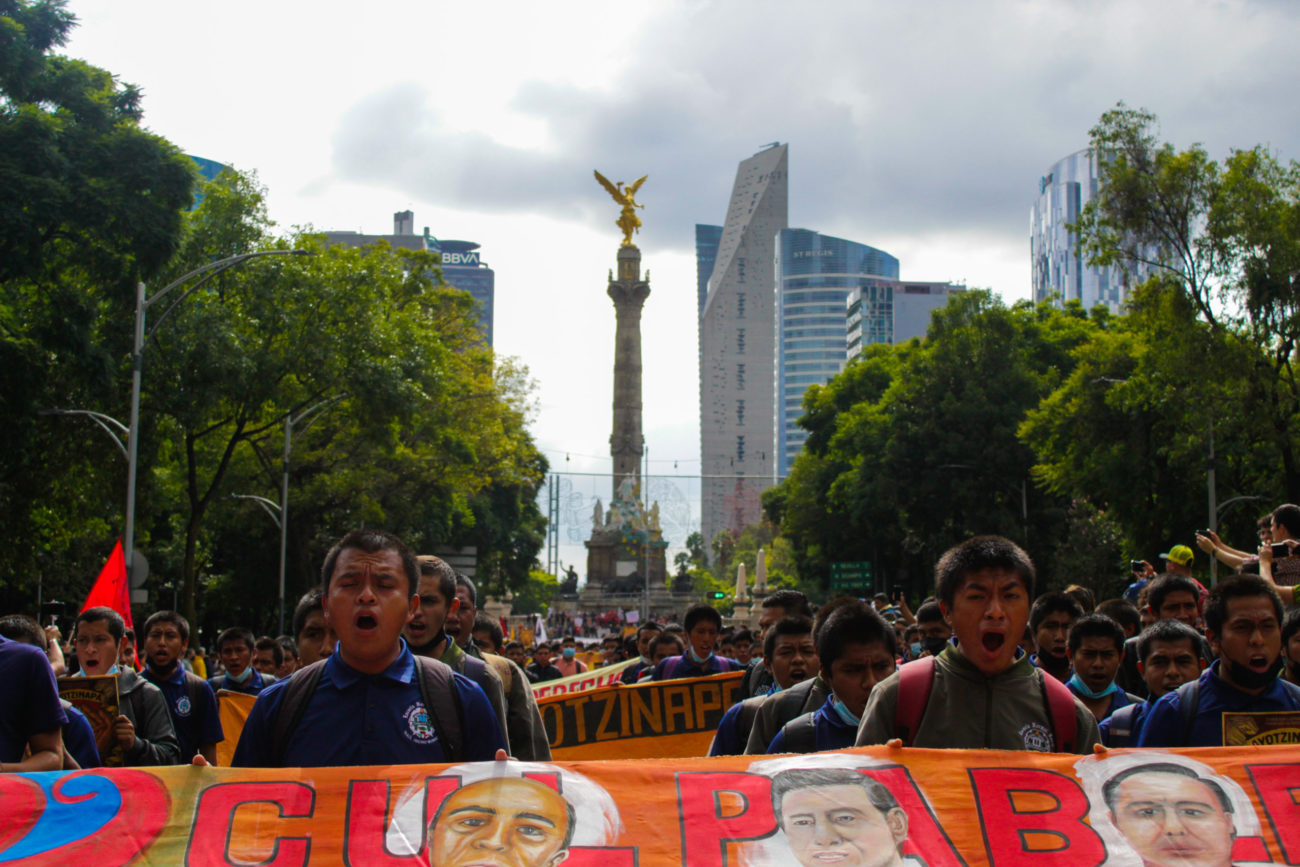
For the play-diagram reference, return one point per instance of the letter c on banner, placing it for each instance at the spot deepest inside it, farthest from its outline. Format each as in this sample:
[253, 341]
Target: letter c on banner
[214, 820]
[718, 808]
[1032, 812]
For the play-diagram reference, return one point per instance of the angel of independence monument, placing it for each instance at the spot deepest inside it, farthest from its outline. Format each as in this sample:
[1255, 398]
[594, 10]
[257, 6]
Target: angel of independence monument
[625, 554]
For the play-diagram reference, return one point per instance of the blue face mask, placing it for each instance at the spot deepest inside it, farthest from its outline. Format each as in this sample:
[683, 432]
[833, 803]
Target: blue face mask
[1080, 687]
[569, 652]
[112, 670]
[695, 657]
[916, 648]
[842, 710]
[242, 678]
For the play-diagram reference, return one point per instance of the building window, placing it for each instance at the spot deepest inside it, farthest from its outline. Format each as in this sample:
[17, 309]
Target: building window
[740, 448]
[740, 340]
[740, 412]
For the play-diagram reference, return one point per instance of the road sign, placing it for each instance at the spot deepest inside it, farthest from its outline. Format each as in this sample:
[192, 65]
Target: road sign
[852, 575]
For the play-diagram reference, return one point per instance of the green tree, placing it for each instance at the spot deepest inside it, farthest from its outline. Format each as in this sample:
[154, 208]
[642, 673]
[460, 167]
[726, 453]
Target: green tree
[90, 203]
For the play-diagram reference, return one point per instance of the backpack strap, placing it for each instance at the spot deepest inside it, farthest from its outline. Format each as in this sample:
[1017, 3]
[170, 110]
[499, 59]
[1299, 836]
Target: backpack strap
[298, 691]
[442, 700]
[192, 689]
[1121, 726]
[1189, 702]
[915, 680]
[800, 734]
[1061, 711]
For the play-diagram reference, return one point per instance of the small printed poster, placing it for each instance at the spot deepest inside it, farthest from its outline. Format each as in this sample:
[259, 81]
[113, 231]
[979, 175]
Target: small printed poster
[96, 697]
[1261, 729]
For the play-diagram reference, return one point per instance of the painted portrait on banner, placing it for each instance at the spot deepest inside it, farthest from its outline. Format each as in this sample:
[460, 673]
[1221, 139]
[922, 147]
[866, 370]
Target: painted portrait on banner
[831, 809]
[1160, 809]
[513, 814]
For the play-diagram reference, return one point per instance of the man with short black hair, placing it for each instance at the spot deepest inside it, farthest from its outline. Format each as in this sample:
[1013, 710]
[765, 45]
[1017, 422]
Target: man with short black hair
[981, 692]
[371, 702]
[1171, 596]
[1283, 572]
[143, 727]
[1096, 647]
[742, 643]
[235, 648]
[1050, 620]
[857, 649]
[190, 699]
[1124, 613]
[461, 626]
[541, 669]
[645, 633]
[775, 607]
[568, 663]
[1243, 621]
[488, 634]
[934, 631]
[268, 656]
[702, 622]
[314, 636]
[1168, 654]
[790, 657]
[79, 749]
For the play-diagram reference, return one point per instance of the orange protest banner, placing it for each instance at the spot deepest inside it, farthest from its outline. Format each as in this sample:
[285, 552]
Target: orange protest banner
[658, 719]
[1214, 807]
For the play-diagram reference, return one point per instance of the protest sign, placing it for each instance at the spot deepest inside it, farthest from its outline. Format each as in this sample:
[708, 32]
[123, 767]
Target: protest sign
[657, 719]
[96, 697]
[578, 682]
[1249, 729]
[941, 808]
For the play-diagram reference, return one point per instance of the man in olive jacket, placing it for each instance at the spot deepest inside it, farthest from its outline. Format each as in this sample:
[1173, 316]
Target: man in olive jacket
[983, 692]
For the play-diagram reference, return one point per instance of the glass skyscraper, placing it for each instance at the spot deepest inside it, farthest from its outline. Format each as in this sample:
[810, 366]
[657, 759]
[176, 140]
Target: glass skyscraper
[815, 274]
[882, 310]
[1059, 269]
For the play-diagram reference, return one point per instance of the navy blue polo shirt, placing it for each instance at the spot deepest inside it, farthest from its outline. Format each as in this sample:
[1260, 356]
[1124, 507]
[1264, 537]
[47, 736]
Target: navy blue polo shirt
[253, 686]
[79, 738]
[1111, 736]
[833, 733]
[197, 722]
[367, 719]
[683, 666]
[1164, 727]
[31, 698]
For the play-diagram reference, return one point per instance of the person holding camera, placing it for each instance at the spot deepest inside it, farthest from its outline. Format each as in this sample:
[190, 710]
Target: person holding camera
[1278, 562]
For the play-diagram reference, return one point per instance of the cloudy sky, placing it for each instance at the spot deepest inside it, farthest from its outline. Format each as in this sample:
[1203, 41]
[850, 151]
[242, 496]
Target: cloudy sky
[920, 128]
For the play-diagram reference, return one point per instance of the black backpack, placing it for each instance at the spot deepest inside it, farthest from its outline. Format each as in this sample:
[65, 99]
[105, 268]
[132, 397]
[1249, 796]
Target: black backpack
[437, 691]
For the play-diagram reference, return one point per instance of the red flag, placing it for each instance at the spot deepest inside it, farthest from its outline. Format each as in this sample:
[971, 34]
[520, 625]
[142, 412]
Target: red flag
[111, 587]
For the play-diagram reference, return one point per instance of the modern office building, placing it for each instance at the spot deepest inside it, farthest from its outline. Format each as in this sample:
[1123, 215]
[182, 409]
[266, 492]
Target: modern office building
[208, 170]
[882, 310]
[462, 266]
[737, 340]
[815, 275]
[1060, 271]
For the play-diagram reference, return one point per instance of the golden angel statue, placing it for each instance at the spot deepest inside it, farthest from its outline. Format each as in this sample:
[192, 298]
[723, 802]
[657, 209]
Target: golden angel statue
[628, 221]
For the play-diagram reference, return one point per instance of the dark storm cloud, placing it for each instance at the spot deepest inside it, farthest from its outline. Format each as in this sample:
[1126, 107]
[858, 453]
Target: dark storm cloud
[901, 118]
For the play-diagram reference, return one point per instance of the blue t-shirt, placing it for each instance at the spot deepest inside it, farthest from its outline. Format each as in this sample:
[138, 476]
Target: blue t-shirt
[1111, 733]
[253, 686]
[79, 738]
[727, 741]
[31, 698]
[1164, 725]
[832, 732]
[367, 719]
[632, 673]
[197, 722]
[683, 666]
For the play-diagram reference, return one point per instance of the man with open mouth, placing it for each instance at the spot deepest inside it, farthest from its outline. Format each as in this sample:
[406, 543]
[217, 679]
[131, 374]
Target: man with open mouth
[981, 691]
[1243, 622]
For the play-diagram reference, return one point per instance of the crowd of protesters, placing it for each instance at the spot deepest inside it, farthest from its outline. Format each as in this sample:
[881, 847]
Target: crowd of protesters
[389, 661]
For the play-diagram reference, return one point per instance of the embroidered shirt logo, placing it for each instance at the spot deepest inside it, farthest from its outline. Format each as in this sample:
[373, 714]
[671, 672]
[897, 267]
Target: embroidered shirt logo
[419, 726]
[183, 706]
[1036, 737]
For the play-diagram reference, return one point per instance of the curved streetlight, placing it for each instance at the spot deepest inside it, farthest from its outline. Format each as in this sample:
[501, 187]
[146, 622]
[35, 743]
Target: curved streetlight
[116, 431]
[142, 305]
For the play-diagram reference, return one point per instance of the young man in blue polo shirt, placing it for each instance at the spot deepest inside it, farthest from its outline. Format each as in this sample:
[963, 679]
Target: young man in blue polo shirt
[1096, 646]
[1168, 657]
[1243, 622]
[190, 699]
[702, 623]
[31, 714]
[365, 705]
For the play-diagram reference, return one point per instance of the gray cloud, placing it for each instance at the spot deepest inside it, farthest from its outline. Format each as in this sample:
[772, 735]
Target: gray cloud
[901, 118]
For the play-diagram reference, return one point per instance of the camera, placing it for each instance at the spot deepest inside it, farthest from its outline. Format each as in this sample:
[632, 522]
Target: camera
[1280, 550]
[1137, 566]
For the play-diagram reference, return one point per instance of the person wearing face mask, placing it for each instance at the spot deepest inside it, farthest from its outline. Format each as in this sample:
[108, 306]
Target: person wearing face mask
[568, 663]
[1243, 622]
[703, 623]
[791, 657]
[857, 649]
[935, 633]
[235, 648]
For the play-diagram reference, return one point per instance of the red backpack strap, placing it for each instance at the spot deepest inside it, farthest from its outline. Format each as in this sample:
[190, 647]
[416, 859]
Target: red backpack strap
[915, 680]
[1060, 707]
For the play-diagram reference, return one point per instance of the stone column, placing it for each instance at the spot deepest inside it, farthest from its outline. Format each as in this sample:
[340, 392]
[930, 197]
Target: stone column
[628, 292]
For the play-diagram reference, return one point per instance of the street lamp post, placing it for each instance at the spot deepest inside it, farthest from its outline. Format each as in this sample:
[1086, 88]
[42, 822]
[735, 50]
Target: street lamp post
[142, 305]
